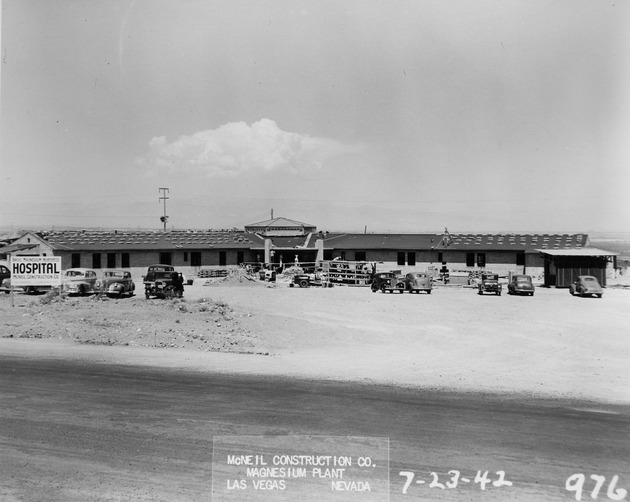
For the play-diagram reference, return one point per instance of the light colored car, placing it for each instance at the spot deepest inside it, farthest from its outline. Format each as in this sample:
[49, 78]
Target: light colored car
[80, 281]
[521, 285]
[117, 283]
[586, 285]
[417, 282]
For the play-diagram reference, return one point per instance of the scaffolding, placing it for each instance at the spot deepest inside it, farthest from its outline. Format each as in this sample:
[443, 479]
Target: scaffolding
[352, 273]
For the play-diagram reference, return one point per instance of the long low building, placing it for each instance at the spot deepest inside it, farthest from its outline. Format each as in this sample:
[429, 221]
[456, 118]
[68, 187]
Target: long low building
[281, 241]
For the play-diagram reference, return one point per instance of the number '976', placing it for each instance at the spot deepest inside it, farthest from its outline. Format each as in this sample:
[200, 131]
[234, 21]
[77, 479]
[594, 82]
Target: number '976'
[575, 484]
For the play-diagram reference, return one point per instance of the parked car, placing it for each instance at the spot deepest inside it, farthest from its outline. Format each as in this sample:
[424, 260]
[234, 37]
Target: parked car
[586, 285]
[490, 284]
[521, 285]
[162, 281]
[306, 280]
[5, 278]
[80, 281]
[378, 278]
[388, 282]
[117, 283]
[152, 269]
[5, 273]
[418, 281]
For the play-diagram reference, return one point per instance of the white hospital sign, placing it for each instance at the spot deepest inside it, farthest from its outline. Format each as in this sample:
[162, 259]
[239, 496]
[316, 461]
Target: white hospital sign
[35, 270]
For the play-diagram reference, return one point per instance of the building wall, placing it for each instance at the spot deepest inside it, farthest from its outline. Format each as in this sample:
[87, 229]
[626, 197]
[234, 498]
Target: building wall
[501, 262]
[140, 260]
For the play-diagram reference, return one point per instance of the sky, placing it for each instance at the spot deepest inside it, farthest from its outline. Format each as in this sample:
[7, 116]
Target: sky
[377, 116]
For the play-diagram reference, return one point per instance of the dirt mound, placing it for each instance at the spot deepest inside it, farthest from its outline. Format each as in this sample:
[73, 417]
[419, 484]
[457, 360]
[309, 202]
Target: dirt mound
[202, 324]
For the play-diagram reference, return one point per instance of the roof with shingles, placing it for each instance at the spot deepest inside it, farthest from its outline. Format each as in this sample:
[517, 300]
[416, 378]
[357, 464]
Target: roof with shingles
[578, 252]
[116, 240]
[93, 240]
[467, 242]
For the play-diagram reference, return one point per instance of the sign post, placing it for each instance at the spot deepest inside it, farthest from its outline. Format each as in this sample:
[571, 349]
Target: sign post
[35, 271]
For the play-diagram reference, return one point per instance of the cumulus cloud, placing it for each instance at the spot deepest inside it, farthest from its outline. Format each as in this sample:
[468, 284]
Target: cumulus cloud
[236, 147]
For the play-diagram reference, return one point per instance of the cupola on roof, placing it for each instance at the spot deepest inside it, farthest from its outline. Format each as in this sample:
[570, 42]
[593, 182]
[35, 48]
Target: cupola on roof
[280, 227]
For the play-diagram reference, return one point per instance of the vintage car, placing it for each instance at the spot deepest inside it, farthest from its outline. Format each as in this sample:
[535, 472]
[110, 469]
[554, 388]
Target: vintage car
[586, 285]
[5, 273]
[387, 282]
[489, 284]
[521, 285]
[306, 280]
[378, 278]
[418, 281]
[80, 281]
[117, 283]
[5, 278]
[159, 282]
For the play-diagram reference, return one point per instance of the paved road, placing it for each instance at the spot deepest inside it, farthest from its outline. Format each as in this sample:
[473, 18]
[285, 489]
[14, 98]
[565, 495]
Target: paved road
[71, 431]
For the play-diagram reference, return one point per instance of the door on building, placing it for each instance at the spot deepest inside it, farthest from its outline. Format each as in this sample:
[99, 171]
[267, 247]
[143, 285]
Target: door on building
[222, 258]
[111, 260]
[195, 259]
[166, 258]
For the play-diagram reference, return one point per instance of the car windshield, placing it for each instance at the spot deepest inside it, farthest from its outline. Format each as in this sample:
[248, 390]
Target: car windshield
[490, 277]
[115, 274]
[74, 273]
[522, 279]
[589, 279]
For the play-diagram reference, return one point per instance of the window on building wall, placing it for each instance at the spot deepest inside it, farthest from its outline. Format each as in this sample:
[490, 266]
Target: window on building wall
[125, 262]
[166, 258]
[111, 260]
[481, 260]
[401, 257]
[520, 258]
[75, 260]
[328, 254]
[470, 259]
[195, 258]
[185, 256]
[96, 260]
[240, 257]
[342, 256]
[360, 256]
[411, 258]
[440, 257]
[222, 257]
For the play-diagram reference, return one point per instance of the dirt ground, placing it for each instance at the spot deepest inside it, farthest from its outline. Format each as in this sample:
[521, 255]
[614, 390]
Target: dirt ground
[551, 344]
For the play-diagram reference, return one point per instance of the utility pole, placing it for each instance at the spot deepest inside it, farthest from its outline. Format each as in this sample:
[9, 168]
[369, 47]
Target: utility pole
[163, 197]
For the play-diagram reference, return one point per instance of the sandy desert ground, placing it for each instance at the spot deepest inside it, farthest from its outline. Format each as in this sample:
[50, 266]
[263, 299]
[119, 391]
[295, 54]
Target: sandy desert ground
[551, 344]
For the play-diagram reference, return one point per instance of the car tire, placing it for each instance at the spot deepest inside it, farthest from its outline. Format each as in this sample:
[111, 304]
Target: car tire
[428, 291]
[383, 288]
[81, 290]
[599, 295]
[303, 283]
[146, 295]
[480, 292]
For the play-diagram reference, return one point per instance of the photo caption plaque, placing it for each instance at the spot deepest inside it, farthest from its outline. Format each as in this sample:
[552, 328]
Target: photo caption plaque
[289, 468]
